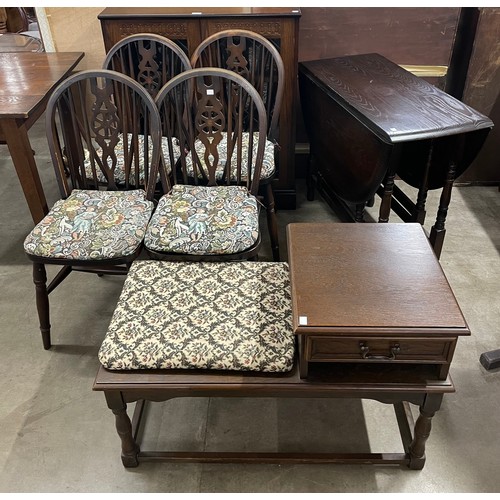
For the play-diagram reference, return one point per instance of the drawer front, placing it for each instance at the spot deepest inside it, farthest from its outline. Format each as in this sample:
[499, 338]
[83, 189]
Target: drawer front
[380, 349]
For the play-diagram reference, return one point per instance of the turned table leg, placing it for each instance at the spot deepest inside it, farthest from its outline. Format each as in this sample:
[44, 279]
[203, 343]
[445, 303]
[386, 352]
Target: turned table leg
[388, 185]
[422, 430]
[419, 213]
[385, 205]
[438, 230]
[130, 449]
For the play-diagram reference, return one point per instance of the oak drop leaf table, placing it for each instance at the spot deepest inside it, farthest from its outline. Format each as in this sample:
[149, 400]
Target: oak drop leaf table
[368, 121]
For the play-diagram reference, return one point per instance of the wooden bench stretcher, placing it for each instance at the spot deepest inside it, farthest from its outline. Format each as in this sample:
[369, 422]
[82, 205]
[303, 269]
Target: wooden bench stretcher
[122, 388]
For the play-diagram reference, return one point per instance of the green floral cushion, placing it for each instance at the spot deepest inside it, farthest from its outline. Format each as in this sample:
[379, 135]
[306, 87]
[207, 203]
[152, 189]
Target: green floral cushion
[92, 225]
[208, 315]
[120, 161]
[201, 220]
[268, 167]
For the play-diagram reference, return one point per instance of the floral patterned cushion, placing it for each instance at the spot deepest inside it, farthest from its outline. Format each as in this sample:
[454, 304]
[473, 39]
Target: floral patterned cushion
[201, 220]
[120, 161]
[92, 225]
[268, 167]
[208, 315]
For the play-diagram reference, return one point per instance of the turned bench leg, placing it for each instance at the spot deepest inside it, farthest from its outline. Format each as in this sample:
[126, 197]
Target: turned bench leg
[422, 430]
[130, 449]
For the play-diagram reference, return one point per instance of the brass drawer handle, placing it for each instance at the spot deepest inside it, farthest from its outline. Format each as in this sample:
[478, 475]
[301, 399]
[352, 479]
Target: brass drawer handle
[365, 352]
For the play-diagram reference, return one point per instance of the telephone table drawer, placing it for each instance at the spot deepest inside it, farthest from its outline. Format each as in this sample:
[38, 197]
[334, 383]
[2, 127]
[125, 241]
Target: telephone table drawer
[380, 349]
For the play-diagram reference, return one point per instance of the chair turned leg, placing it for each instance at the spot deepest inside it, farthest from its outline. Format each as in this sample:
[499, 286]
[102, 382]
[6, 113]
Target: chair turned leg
[272, 223]
[42, 302]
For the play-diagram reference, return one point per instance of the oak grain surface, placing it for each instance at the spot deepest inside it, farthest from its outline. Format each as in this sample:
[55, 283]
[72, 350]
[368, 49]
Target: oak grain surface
[371, 276]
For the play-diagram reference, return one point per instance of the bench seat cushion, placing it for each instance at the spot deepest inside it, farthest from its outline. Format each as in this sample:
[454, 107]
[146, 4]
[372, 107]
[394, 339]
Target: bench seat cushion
[205, 315]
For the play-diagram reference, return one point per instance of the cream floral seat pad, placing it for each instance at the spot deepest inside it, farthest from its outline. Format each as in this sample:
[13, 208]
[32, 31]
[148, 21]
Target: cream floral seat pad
[267, 170]
[92, 225]
[201, 220]
[208, 315]
[120, 161]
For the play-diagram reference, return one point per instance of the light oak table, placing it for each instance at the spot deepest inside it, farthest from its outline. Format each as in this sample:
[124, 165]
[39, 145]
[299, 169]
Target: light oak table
[26, 82]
